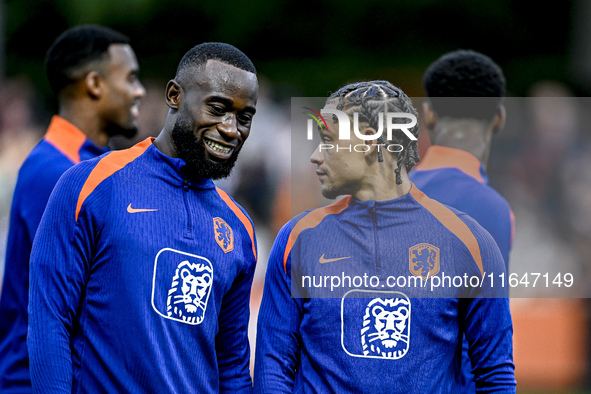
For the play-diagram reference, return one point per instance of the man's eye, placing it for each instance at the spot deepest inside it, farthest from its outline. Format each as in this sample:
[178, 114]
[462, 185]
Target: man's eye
[217, 110]
[245, 118]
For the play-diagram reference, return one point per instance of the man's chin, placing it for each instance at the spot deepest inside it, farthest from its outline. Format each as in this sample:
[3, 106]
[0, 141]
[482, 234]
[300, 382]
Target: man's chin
[331, 194]
[127, 132]
[215, 161]
[211, 169]
[130, 132]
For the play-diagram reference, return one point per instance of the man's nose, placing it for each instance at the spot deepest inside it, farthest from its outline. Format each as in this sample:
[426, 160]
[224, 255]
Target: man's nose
[316, 157]
[228, 127]
[140, 90]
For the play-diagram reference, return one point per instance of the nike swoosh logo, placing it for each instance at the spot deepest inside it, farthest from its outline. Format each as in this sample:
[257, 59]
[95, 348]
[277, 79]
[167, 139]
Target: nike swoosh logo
[134, 210]
[322, 260]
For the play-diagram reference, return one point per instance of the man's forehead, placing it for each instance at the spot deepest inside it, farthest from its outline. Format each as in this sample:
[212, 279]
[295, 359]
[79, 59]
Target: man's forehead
[216, 72]
[223, 69]
[121, 53]
[218, 81]
[330, 104]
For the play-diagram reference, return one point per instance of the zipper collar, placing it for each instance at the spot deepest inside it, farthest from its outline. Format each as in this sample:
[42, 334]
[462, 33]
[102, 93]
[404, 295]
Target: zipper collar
[172, 170]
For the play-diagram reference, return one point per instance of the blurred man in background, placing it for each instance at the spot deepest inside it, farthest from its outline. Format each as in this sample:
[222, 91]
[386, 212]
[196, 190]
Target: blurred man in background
[93, 71]
[463, 111]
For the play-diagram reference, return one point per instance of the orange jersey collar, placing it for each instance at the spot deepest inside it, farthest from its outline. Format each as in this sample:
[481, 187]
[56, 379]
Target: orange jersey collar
[65, 137]
[438, 157]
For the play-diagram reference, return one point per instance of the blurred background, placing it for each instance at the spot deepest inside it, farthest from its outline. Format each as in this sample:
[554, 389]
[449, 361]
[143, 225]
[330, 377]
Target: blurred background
[541, 162]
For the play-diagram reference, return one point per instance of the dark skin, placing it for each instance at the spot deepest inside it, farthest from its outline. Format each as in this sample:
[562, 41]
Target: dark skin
[106, 94]
[218, 101]
[471, 135]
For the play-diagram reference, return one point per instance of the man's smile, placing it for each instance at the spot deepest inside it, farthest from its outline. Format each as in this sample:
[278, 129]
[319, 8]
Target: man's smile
[217, 149]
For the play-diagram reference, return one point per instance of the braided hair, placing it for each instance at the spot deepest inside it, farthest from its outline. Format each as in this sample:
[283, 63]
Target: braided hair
[374, 99]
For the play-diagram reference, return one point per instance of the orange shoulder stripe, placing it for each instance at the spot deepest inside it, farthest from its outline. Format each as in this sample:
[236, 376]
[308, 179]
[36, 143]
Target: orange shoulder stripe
[438, 157]
[107, 166]
[65, 137]
[238, 212]
[311, 220]
[452, 222]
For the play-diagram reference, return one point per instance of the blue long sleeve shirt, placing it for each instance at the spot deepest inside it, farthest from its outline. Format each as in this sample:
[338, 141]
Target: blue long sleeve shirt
[62, 146]
[456, 178]
[383, 336]
[140, 281]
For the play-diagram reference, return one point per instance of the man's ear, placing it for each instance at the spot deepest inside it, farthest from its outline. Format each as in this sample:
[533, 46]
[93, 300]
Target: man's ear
[174, 94]
[429, 115]
[93, 83]
[499, 120]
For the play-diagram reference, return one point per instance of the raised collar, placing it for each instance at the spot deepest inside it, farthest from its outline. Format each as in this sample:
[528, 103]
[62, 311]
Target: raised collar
[65, 137]
[70, 141]
[171, 168]
[438, 157]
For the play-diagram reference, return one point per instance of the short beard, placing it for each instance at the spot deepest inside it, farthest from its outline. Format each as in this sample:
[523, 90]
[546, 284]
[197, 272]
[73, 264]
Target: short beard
[330, 194]
[193, 153]
[112, 130]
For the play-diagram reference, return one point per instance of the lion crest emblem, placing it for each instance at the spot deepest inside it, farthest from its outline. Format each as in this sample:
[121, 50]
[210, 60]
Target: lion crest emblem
[386, 328]
[423, 260]
[189, 292]
[224, 235]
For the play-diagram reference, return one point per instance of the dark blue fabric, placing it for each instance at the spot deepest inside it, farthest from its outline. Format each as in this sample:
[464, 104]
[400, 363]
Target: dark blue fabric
[122, 302]
[457, 189]
[36, 179]
[316, 344]
[481, 202]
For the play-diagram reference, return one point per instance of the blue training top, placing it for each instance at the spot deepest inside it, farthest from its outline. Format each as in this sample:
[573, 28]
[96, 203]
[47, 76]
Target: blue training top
[381, 334]
[140, 281]
[456, 178]
[62, 146]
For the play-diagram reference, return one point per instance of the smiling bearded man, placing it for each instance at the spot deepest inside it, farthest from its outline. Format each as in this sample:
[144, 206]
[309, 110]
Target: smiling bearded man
[193, 152]
[142, 268]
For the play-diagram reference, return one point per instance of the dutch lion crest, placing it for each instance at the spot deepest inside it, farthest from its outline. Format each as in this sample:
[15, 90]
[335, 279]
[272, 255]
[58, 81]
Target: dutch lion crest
[386, 328]
[189, 292]
[423, 260]
[223, 235]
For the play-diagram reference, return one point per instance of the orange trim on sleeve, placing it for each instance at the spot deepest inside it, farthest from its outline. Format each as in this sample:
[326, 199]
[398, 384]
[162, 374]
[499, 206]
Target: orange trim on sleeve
[452, 222]
[311, 220]
[438, 157]
[107, 166]
[65, 137]
[238, 212]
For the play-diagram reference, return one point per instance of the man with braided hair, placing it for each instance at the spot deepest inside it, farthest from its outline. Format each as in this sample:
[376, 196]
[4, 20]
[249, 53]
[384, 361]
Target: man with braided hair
[349, 303]
[371, 100]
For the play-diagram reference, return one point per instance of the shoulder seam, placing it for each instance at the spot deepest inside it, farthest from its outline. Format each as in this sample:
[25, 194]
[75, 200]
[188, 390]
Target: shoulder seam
[310, 220]
[107, 166]
[452, 222]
